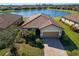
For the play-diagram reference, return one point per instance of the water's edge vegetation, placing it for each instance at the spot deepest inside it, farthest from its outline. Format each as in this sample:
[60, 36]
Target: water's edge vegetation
[7, 11]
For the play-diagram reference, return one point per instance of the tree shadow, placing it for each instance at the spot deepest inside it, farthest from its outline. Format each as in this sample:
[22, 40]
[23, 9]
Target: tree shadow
[67, 42]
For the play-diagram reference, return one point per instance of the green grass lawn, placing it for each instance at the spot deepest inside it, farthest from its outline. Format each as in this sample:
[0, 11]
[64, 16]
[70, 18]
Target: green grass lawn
[4, 51]
[7, 10]
[73, 38]
[27, 50]
[71, 11]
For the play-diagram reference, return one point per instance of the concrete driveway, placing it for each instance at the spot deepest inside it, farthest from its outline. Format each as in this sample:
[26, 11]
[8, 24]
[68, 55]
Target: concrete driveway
[53, 47]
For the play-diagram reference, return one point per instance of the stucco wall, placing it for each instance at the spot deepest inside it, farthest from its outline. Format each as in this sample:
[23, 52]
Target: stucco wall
[51, 28]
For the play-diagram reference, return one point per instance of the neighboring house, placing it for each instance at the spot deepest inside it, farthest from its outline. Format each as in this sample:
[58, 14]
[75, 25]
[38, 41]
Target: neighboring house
[71, 19]
[6, 20]
[46, 25]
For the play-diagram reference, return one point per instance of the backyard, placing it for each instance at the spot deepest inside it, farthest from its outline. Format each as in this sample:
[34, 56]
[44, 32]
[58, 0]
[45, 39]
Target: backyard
[70, 40]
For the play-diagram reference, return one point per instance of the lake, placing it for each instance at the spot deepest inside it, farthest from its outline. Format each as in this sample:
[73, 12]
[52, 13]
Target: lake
[34, 11]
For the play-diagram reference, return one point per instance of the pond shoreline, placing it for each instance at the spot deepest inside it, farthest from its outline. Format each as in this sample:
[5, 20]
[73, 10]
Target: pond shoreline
[28, 12]
[2, 11]
[65, 10]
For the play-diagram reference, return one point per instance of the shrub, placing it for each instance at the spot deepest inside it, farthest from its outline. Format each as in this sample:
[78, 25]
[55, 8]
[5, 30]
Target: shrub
[29, 36]
[20, 40]
[3, 45]
[39, 43]
[74, 52]
[32, 44]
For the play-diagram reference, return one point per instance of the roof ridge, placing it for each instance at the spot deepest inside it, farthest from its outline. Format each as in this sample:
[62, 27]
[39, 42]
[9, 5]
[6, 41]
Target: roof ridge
[52, 23]
[49, 19]
[32, 19]
[72, 17]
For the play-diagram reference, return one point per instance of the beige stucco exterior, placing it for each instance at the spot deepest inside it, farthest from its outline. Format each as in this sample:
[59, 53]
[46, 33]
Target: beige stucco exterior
[52, 29]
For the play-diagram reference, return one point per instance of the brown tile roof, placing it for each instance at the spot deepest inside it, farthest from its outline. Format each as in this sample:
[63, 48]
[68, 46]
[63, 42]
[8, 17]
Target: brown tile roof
[39, 21]
[8, 19]
[73, 17]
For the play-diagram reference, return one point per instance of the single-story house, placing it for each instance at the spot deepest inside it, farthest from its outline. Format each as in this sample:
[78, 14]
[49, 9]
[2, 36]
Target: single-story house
[7, 20]
[71, 19]
[47, 25]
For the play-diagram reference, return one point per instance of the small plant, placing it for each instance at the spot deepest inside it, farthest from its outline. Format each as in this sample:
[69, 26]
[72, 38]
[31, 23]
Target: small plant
[32, 44]
[21, 40]
[2, 45]
[39, 43]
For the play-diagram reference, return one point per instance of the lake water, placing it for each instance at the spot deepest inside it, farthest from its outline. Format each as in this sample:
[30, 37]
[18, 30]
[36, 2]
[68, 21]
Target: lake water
[34, 11]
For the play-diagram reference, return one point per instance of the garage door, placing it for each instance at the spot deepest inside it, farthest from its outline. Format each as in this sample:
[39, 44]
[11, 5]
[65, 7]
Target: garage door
[50, 34]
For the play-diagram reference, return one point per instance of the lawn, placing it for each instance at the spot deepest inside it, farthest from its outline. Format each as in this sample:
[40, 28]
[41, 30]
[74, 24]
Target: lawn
[7, 10]
[71, 11]
[27, 50]
[3, 52]
[72, 40]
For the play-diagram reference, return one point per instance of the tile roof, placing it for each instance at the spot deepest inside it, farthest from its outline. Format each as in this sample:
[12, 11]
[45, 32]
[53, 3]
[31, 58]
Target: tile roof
[8, 19]
[39, 21]
[73, 17]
